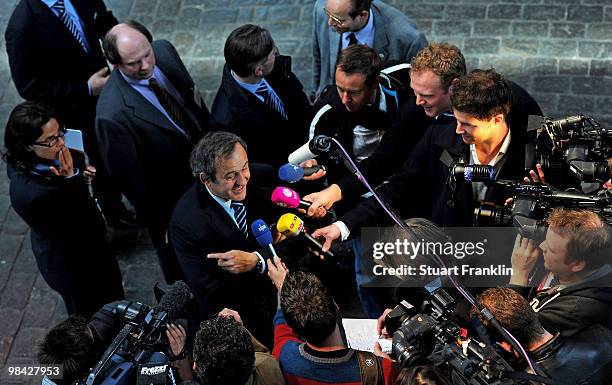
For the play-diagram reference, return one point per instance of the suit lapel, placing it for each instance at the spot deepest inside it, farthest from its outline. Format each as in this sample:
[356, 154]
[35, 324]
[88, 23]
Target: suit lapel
[54, 26]
[380, 36]
[334, 49]
[217, 215]
[142, 108]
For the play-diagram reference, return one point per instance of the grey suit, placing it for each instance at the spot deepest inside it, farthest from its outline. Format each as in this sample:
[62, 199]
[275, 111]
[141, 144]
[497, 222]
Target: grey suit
[395, 38]
[146, 154]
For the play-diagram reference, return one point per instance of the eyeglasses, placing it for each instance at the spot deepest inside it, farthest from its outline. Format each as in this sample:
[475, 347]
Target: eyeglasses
[52, 140]
[334, 18]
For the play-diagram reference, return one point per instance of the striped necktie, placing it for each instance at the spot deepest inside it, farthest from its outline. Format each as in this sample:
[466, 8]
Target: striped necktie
[240, 217]
[60, 7]
[173, 108]
[352, 39]
[271, 99]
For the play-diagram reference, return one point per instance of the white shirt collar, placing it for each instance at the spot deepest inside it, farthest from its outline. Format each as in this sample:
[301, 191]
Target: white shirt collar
[502, 151]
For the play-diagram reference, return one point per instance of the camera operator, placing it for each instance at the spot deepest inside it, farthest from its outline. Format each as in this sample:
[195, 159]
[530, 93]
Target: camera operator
[76, 344]
[576, 291]
[483, 134]
[585, 358]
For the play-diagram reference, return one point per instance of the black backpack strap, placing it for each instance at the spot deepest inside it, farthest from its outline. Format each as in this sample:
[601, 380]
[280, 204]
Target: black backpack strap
[370, 368]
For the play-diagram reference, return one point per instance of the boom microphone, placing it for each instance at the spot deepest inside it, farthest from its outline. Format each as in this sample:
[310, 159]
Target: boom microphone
[291, 226]
[318, 145]
[286, 197]
[262, 234]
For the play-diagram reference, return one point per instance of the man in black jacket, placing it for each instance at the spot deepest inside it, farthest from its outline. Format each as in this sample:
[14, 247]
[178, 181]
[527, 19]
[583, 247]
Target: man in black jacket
[223, 264]
[366, 107]
[260, 99]
[585, 358]
[577, 291]
[484, 133]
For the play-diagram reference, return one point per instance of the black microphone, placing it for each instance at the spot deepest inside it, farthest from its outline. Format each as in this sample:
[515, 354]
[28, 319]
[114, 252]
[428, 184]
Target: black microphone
[176, 301]
[318, 145]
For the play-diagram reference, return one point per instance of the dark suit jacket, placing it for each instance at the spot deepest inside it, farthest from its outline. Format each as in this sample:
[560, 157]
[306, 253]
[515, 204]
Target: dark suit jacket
[143, 151]
[200, 226]
[67, 234]
[48, 63]
[270, 138]
[419, 189]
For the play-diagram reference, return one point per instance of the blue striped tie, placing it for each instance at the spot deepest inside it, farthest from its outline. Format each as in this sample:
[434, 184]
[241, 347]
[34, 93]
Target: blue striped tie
[271, 99]
[240, 217]
[60, 7]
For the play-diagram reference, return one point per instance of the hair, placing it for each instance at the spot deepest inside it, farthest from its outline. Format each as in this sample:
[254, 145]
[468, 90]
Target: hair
[360, 59]
[110, 41]
[482, 93]
[421, 375]
[443, 59]
[589, 238]
[247, 47]
[23, 128]
[308, 307]
[513, 313]
[223, 352]
[210, 150]
[69, 346]
[358, 6]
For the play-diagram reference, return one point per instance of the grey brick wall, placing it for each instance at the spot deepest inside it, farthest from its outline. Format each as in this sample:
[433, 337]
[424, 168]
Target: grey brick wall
[559, 50]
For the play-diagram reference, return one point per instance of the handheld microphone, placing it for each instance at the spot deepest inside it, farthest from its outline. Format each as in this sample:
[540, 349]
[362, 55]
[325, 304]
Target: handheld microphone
[291, 173]
[318, 145]
[286, 197]
[177, 301]
[291, 226]
[262, 234]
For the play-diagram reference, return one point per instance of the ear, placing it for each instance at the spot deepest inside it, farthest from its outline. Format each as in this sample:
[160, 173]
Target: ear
[29, 148]
[203, 179]
[577, 266]
[453, 84]
[258, 72]
[498, 119]
[195, 366]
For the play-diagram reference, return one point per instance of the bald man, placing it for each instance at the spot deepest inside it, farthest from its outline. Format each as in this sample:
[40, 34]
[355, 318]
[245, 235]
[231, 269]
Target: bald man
[148, 118]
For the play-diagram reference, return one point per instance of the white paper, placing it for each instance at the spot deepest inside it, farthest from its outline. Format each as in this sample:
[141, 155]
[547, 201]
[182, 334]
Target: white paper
[360, 333]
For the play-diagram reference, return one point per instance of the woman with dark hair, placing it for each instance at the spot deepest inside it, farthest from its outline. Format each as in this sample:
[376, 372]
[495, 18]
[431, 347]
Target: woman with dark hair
[421, 375]
[51, 196]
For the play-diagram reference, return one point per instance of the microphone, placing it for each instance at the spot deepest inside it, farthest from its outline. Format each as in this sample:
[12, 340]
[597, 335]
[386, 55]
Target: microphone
[291, 173]
[291, 226]
[286, 197]
[318, 145]
[262, 234]
[177, 301]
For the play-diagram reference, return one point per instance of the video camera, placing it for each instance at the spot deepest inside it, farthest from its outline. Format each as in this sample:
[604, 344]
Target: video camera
[419, 335]
[140, 353]
[532, 203]
[581, 149]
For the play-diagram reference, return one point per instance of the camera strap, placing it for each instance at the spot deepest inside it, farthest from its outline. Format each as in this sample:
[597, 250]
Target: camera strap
[370, 368]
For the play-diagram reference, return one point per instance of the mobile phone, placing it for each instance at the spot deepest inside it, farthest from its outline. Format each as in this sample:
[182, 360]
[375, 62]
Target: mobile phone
[73, 139]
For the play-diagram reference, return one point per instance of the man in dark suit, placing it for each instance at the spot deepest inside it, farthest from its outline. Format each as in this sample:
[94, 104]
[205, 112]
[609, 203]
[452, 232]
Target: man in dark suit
[260, 99]
[209, 233]
[55, 56]
[148, 119]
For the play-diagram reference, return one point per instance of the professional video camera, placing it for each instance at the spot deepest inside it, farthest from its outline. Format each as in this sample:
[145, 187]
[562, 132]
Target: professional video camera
[581, 149]
[140, 353]
[419, 335]
[533, 202]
